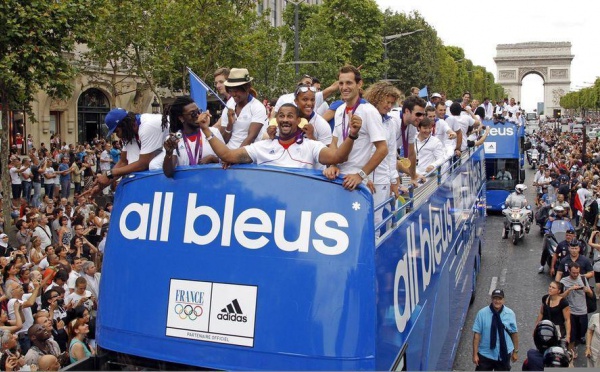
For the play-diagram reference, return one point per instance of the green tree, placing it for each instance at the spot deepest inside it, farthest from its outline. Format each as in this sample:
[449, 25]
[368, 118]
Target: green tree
[355, 26]
[37, 38]
[156, 40]
[413, 60]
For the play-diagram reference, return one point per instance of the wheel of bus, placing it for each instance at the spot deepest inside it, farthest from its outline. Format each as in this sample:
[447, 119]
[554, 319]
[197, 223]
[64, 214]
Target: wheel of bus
[515, 238]
[474, 287]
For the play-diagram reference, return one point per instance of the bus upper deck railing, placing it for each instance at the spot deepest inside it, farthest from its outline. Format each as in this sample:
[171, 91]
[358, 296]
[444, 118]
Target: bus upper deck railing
[416, 196]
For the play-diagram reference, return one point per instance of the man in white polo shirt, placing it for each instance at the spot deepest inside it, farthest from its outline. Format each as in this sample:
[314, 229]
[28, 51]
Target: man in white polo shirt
[362, 160]
[289, 149]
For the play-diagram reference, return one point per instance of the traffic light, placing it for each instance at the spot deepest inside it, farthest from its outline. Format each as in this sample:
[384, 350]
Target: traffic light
[557, 113]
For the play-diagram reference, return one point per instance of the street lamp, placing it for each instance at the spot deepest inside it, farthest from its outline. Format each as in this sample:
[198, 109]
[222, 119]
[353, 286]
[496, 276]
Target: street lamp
[296, 34]
[388, 39]
[155, 106]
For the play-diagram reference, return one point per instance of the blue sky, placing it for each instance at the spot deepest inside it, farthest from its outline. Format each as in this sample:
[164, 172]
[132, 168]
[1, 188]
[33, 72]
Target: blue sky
[481, 25]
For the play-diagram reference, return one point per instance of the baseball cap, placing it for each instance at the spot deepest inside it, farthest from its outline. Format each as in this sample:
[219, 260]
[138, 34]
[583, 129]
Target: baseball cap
[434, 95]
[574, 243]
[570, 231]
[498, 293]
[113, 118]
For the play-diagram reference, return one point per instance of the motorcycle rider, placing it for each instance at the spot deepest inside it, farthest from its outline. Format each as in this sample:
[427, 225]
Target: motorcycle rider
[516, 200]
[545, 336]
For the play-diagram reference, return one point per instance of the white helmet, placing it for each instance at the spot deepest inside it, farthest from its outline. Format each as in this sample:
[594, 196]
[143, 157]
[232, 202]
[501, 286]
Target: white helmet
[559, 208]
[520, 188]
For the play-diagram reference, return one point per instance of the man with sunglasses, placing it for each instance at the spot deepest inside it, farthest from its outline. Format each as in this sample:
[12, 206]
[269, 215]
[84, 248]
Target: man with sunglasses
[142, 136]
[413, 111]
[191, 147]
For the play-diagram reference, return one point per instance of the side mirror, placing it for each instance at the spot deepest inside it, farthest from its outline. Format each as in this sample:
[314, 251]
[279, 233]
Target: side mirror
[528, 207]
[503, 206]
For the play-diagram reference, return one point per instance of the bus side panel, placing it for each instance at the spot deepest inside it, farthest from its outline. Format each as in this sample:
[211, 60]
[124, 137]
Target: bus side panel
[420, 264]
[240, 269]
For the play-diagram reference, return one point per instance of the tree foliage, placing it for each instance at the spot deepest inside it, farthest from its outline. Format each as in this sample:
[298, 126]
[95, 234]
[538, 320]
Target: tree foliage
[36, 39]
[583, 99]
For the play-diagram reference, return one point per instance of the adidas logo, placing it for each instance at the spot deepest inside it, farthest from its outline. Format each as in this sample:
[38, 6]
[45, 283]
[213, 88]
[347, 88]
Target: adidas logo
[233, 312]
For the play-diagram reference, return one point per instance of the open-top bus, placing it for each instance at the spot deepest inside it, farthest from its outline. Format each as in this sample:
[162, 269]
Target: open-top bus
[279, 269]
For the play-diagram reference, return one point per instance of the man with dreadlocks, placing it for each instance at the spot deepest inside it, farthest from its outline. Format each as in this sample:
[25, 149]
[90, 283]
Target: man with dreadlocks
[289, 149]
[191, 147]
[142, 136]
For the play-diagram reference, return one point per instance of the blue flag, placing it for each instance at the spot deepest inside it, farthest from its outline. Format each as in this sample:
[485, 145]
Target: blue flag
[198, 90]
[423, 92]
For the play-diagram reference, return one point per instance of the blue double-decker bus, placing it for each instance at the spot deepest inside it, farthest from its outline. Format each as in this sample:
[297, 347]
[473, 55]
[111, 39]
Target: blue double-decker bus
[504, 161]
[259, 268]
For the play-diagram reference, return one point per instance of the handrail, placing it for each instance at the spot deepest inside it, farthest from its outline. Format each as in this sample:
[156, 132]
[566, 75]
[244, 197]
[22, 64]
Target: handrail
[418, 195]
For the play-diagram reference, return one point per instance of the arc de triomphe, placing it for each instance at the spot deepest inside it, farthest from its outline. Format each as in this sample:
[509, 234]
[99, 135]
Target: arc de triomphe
[550, 60]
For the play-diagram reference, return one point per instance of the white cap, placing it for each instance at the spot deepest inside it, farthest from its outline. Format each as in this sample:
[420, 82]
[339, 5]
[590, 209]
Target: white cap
[434, 95]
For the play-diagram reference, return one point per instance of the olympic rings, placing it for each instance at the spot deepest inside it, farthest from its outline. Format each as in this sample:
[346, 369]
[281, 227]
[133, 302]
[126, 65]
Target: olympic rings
[188, 311]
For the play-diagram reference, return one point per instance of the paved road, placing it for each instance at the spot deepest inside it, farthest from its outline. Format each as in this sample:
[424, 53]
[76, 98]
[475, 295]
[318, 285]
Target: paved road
[515, 270]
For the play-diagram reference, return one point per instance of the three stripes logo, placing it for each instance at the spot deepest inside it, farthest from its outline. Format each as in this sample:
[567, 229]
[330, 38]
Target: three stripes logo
[233, 312]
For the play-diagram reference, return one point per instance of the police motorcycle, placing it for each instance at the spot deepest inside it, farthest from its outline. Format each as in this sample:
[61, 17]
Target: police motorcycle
[534, 158]
[545, 210]
[517, 218]
[554, 235]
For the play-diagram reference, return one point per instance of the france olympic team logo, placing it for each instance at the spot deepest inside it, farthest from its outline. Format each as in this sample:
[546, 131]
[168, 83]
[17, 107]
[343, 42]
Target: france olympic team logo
[188, 311]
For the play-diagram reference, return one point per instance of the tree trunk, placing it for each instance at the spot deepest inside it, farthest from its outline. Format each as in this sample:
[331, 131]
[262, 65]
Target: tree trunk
[4, 156]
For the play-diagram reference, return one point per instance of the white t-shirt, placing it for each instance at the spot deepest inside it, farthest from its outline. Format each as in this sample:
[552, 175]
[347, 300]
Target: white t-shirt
[464, 122]
[253, 112]
[51, 181]
[410, 132]
[74, 297]
[455, 126]
[322, 130]
[182, 154]
[15, 179]
[151, 136]
[270, 152]
[28, 321]
[73, 275]
[386, 170]
[105, 160]
[322, 108]
[290, 98]
[26, 171]
[45, 235]
[230, 104]
[441, 132]
[429, 152]
[371, 131]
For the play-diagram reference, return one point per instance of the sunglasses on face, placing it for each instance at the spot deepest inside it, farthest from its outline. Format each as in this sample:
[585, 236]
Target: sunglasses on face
[194, 113]
[419, 114]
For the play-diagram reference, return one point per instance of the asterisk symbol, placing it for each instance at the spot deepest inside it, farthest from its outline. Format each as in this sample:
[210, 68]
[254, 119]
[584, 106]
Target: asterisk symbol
[356, 206]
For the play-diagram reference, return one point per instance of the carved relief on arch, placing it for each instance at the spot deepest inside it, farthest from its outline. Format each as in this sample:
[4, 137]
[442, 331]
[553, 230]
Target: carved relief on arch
[542, 71]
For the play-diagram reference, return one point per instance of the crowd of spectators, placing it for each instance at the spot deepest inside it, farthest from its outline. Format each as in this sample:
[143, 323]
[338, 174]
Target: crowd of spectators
[51, 254]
